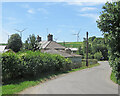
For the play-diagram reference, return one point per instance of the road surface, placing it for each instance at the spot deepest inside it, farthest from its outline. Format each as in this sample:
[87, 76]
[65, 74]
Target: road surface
[94, 80]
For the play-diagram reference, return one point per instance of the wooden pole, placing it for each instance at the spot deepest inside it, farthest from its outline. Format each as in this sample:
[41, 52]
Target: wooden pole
[87, 50]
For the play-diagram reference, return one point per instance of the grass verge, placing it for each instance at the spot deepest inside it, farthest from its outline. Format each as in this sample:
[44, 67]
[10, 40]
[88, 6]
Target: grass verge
[113, 78]
[14, 87]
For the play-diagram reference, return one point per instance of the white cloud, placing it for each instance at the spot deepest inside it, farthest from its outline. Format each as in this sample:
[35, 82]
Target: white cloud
[31, 11]
[74, 3]
[11, 21]
[88, 8]
[59, 31]
[4, 36]
[56, 0]
[90, 15]
[43, 10]
[25, 5]
[86, 2]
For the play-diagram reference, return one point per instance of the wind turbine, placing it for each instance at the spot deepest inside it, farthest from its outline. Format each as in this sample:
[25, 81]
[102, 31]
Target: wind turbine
[56, 39]
[20, 32]
[8, 34]
[77, 34]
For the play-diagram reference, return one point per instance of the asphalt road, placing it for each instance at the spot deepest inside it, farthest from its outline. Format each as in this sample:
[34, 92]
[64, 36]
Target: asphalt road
[94, 80]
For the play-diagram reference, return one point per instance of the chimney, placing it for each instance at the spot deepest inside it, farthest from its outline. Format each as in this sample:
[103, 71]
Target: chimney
[38, 38]
[68, 50]
[50, 37]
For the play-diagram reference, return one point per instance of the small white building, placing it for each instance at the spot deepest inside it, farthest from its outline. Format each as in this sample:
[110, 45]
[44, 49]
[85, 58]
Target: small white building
[73, 50]
[2, 48]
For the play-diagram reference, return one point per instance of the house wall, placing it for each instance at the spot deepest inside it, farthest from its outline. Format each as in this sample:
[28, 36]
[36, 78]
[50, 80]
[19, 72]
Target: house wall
[76, 61]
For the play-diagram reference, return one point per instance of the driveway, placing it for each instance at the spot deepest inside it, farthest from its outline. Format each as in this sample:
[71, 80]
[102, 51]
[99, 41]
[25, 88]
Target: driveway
[94, 80]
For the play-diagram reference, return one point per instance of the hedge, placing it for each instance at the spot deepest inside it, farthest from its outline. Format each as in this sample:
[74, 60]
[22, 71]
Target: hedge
[27, 64]
[91, 61]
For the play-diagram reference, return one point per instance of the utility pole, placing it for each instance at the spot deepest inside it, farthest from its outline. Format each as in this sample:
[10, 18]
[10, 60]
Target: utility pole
[47, 31]
[87, 50]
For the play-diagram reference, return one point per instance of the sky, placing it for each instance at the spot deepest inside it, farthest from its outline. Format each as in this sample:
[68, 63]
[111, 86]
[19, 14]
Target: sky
[62, 19]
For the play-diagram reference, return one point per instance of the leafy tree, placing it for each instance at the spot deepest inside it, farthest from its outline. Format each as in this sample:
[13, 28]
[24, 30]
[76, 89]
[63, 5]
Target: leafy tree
[109, 24]
[15, 42]
[80, 50]
[31, 43]
[100, 48]
[98, 55]
[90, 56]
[91, 39]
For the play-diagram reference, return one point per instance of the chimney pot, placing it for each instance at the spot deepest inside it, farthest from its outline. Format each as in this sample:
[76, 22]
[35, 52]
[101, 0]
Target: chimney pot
[38, 38]
[50, 37]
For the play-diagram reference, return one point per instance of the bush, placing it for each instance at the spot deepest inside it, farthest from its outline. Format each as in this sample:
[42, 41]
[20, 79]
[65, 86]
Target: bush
[115, 64]
[90, 56]
[27, 64]
[91, 61]
[98, 55]
[15, 42]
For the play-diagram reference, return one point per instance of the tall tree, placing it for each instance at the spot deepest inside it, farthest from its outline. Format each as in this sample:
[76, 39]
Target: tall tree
[31, 43]
[15, 42]
[109, 24]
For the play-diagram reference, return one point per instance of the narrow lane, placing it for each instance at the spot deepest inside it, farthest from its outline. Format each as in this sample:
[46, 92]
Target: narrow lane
[94, 80]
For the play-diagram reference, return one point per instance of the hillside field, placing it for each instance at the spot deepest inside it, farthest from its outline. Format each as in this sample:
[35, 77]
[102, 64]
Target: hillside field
[71, 44]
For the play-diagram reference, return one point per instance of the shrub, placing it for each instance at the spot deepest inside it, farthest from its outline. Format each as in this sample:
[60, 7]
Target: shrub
[10, 65]
[91, 61]
[90, 56]
[98, 55]
[29, 63]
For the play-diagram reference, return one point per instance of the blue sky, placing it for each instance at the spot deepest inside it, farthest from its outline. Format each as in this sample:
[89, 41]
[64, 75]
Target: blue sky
[62, 19]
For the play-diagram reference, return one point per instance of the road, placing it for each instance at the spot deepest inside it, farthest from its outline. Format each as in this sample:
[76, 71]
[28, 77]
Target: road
[94, 80]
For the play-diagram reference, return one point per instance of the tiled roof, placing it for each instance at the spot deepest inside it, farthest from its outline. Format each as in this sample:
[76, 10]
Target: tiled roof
[60, 52]
[43, 44]
[50, 45]
[53, 47]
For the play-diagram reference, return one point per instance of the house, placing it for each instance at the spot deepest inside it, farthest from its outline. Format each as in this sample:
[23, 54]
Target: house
[53, 47]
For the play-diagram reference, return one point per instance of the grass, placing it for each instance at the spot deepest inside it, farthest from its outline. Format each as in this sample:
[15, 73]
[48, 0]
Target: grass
[14, 87]
[71, 44]
[3, 44]
[113, 78]
[0, 91]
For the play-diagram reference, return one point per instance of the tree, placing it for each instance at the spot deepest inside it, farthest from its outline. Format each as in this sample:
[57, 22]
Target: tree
[80, 50]
[31, 43]
[91, 39]
[15, 42]
[109, 24]
[98, 55]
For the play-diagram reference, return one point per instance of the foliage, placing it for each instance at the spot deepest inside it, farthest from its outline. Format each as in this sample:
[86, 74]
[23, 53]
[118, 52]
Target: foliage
[19, 85]
[98, 55]
[15, 42]
[31, 43]
[27, 64]
[95, 44]
[109, 24]
[3, 44]
[71, 44]
[90, 61]
[80, 50]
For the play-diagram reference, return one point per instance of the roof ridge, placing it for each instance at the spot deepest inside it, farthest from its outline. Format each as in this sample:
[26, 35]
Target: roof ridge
[48, 43]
